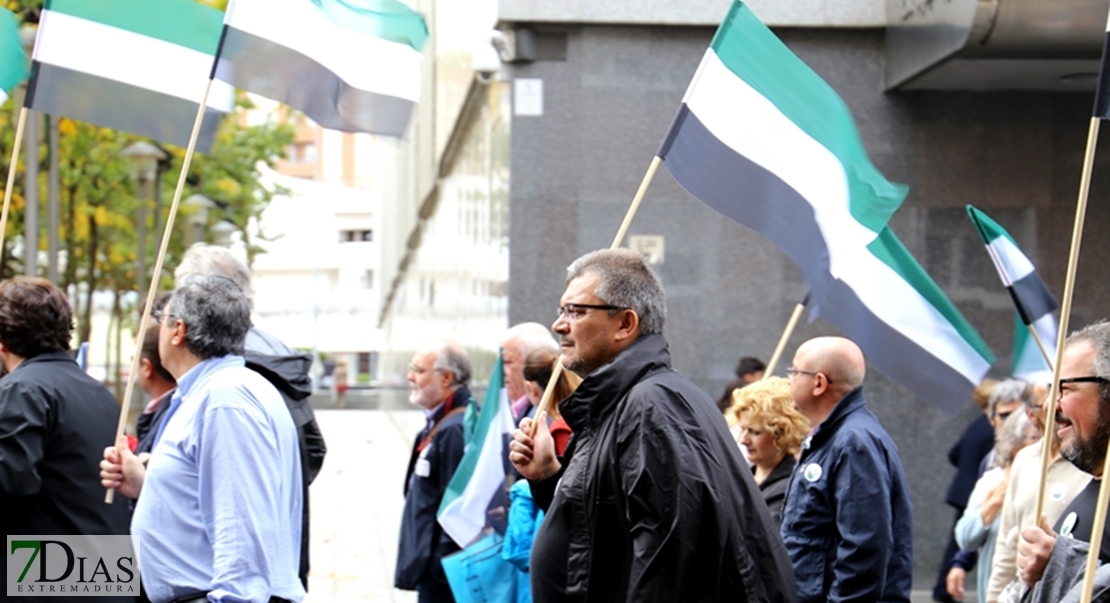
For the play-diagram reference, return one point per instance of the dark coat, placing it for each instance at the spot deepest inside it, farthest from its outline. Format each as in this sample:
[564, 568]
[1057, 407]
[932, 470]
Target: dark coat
[847, 522]
[55, 422]
[774, 487]
[423, 542]
[659, 504]
[966, 455]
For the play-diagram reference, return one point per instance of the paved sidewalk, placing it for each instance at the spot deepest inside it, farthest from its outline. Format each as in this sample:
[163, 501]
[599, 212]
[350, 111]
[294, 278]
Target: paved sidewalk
[357, 503]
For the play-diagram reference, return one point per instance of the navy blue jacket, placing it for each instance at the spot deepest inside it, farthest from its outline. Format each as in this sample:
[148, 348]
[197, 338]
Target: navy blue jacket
[966, 455]
[847, 522]
[423, 543]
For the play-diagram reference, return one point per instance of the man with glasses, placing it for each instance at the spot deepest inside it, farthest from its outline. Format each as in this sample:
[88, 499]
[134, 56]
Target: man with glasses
[654, 502]
[1053, 560]
[847, 521]
[438, 374]
[1019, 504]
[219, 514]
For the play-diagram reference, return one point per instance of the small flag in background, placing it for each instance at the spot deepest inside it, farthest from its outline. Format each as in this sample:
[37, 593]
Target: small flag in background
[350, 65]
[131, 65]
[1032, 299]
[764, 140]
[481, 473]
[1102, 93]
[13, 60]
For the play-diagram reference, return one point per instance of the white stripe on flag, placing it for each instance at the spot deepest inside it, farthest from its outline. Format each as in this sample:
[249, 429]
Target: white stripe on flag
[1012, 263]
[3, 97]
[771, 140]
[363, 61]
[1029, 362]
[128, 57]
[897, 303]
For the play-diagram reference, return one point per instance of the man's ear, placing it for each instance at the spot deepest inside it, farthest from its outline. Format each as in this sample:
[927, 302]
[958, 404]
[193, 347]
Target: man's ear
[146, 368]
[629, 327]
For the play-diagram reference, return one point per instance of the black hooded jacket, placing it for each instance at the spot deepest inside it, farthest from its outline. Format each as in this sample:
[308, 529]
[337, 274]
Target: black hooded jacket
[288, 371]
[655, 500]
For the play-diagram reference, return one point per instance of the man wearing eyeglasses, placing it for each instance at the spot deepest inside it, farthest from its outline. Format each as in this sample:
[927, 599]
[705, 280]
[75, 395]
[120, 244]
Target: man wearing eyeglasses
[847, 522]
[439, 373]
[651, 500]
[1052, 561]
[218, 519]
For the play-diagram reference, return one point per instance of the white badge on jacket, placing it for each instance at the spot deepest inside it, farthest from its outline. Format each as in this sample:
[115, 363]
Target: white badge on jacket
[423, 467]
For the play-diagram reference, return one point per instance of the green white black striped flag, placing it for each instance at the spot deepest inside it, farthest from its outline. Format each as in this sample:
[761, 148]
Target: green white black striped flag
[350, 65]
[139, 66]
[13, 60]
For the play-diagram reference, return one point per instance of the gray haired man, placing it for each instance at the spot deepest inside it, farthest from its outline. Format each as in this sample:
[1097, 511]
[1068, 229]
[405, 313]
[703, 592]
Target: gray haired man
[654, 501]
[218, 519]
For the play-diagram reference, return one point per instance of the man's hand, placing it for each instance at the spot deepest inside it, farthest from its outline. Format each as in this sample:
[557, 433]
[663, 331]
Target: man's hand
[1034, 550]
[955, 582]
[534, 455]
[122, 470]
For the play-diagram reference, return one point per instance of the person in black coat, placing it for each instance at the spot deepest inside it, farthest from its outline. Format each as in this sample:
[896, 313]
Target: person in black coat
[771, 430]
[54, 422]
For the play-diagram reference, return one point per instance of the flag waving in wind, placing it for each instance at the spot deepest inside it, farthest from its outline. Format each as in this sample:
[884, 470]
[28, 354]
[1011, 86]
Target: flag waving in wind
[481, 473]
[764, 140]
[350, 65]
[13, 60]
[131, 65]
[1032, 299]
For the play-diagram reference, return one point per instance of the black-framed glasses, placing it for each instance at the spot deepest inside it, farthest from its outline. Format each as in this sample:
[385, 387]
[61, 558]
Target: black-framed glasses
[572, 312]
[791, 371]
[1087, 379]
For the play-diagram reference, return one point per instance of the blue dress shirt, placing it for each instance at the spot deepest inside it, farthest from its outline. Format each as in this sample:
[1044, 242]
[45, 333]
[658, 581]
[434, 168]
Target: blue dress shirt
[220, 509]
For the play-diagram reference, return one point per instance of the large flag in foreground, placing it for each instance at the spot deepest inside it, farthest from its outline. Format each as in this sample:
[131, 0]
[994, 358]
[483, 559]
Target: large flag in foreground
[13, 60]
[764, 140]
[350, 65]
[1032, 298]
[131, 65]
[481, 473]
[905, 324]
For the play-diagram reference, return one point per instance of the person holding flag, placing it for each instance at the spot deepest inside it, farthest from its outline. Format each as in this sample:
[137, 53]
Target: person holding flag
[654, 501]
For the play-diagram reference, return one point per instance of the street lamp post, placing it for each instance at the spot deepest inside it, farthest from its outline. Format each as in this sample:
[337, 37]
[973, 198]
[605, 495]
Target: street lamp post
[144, 159]
[221, 233]
[198, 218]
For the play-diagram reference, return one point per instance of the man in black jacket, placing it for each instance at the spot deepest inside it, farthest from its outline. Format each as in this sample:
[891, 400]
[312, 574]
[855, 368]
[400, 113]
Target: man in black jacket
[654, 502]
[54, 422]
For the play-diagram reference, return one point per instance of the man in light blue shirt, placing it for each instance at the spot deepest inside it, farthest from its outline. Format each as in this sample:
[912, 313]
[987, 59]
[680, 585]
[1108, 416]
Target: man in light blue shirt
[219, 515]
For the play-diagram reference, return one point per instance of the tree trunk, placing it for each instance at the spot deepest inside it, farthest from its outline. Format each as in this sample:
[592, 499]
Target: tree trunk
[84, 327]
[69, 276]
[117, 316]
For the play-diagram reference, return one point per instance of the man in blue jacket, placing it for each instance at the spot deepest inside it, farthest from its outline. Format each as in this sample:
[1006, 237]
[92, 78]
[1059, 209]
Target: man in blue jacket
[847, 523]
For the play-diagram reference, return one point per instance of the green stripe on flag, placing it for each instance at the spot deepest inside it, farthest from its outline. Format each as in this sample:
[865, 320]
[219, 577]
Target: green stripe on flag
[748, 48]
[387, 19]
[13, 59]
[182, 22]
[893, 253]
[988, 229]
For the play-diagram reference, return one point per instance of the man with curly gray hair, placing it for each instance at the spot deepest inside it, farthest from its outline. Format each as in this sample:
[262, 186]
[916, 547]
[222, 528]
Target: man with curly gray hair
[219, 515]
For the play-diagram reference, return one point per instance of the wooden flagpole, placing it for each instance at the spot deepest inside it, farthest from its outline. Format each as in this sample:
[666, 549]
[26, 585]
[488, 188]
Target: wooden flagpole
[548, 391]
[11, 176]
[786, 333]
[152, 290]
[1065, 315]
[1040, 345]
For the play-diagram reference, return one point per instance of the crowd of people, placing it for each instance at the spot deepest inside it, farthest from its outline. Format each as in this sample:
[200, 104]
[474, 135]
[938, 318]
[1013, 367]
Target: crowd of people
[632, 486]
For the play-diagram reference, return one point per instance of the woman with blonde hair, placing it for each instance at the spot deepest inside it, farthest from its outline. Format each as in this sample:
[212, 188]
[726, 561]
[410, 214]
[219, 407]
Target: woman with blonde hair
[771, 430]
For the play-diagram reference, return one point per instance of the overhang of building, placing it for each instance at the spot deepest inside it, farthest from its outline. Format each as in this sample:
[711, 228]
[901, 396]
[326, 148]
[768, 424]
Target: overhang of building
[994, 44]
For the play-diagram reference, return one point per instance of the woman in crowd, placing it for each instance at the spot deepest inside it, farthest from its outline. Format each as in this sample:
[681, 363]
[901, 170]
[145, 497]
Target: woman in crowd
[538, 368]
[978, 528]
[771, 431]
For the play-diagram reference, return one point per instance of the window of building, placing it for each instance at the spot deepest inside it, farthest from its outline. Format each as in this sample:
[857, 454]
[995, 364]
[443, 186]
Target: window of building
[367, 279]
[356, 236]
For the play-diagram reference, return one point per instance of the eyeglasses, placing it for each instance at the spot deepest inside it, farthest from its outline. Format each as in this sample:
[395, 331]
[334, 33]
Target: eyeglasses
[417, 369]
[158, 315]
[791, 371]
[572, 312]
[1089, 379]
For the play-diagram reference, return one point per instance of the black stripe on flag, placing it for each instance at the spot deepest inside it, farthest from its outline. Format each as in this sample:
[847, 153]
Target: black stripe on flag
[1102, 94]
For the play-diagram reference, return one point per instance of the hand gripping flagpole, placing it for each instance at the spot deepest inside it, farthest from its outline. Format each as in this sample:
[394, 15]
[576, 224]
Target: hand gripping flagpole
[152, 291]
[549, 391]
[786, 333]
[11, 176]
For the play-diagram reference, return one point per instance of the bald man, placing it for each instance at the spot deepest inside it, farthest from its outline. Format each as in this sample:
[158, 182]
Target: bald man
[847, 523]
